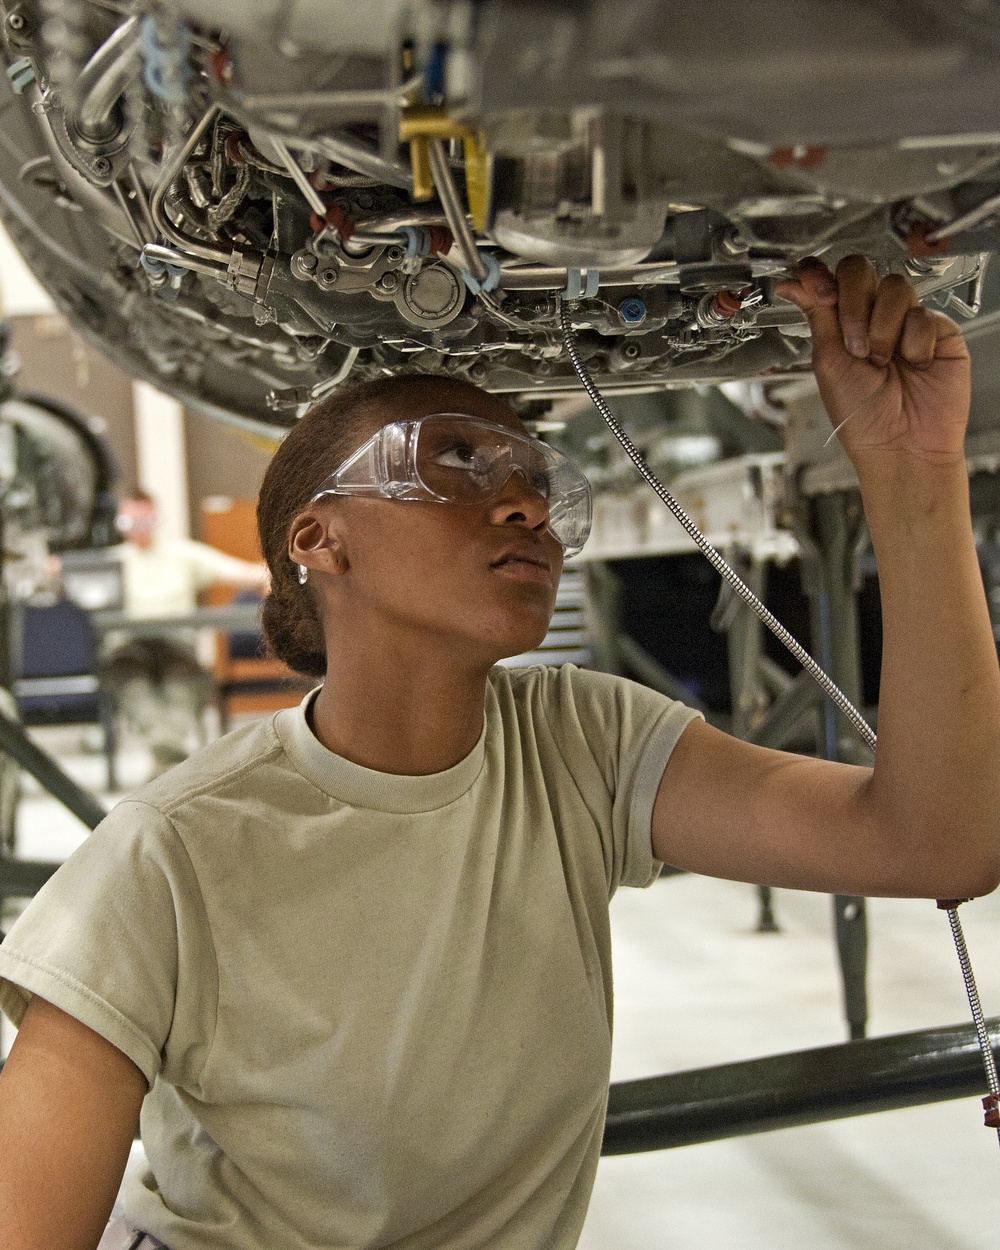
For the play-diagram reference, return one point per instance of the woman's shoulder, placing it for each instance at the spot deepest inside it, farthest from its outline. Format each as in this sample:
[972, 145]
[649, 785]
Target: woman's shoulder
[233, 758]
[572, 699]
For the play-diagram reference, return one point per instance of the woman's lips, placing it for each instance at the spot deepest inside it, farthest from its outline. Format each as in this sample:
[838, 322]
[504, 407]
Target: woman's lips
[525, 570]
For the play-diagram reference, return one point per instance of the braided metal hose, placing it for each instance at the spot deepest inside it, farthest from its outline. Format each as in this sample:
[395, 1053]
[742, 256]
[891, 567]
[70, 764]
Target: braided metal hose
[822, 679]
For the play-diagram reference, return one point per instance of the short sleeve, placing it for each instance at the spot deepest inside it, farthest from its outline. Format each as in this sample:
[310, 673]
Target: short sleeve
[626, 733]
[102, 940]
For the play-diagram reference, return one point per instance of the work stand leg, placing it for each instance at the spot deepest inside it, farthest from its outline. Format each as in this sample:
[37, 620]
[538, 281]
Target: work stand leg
[832, 536]
[748, 693]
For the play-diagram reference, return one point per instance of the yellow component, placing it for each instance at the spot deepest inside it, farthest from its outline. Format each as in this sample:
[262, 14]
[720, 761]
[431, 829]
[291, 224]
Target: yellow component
[429, 121]
[420, 162]
[477, 179]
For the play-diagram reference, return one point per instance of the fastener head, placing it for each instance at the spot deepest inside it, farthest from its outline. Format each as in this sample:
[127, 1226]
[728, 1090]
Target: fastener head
[632, 311]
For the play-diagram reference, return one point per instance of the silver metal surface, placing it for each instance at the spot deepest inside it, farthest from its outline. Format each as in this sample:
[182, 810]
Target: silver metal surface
[310, 194]
[103, 80]
[972, 218]
[454, 211]
[168, 173]
[170, 256]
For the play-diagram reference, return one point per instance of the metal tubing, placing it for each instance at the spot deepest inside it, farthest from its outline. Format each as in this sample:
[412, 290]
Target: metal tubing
[363, 101]
[16, 743]
[971, 218]
[310, 194]
[802, 1087]
[156, 251]
[102, 82]
[454, 210]
[167, 175]
[551, 278]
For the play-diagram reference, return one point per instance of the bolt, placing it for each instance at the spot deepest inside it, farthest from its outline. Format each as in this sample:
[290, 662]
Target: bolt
[101, 166]
[388, 282]
[365, 201]
[15, 21]
[328, 277]
[631, 351]
[632, 311]
[394, 254]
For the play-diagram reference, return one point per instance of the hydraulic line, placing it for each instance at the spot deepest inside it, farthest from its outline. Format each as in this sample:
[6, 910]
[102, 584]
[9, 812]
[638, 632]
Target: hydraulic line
[819, 675]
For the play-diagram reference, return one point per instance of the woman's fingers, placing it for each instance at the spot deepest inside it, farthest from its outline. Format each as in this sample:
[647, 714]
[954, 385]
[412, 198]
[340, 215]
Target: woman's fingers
[858, 284]
[919, 339]
[894, 300]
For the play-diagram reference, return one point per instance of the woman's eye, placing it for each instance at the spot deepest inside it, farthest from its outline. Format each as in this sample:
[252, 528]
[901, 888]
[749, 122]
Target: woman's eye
[457, 456]
[541, 482]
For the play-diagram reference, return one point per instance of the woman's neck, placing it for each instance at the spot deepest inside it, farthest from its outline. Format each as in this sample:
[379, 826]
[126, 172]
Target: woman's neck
[398, 714]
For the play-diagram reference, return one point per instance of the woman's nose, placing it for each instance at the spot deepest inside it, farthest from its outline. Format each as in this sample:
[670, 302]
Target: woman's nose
[519, 501]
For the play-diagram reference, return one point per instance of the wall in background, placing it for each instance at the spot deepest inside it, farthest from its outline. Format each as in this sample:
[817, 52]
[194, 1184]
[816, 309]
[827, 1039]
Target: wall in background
[221, 461]
[55, 361]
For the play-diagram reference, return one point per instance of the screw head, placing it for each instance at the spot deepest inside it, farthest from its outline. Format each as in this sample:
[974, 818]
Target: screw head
[388, 282]
[631, 351]
[329, 277]
[394, 254]
[15, 21]
[101, 166]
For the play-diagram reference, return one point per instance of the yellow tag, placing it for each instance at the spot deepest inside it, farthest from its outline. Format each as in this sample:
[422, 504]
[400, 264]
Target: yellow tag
[420, 162]
[477, 179]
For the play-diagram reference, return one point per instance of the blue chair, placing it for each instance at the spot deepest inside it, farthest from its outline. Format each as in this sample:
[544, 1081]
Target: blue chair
[58, 682]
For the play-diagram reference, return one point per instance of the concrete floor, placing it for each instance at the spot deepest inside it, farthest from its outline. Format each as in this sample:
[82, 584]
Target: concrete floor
[696, 985]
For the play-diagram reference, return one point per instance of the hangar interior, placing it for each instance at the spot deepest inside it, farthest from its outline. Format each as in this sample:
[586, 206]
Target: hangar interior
[203, 291]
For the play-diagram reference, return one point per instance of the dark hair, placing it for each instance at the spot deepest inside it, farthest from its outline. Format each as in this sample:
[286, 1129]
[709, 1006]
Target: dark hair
[138, 496]
[310, 452]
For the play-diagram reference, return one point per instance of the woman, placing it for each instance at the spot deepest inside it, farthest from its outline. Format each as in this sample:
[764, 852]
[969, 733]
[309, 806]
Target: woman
[360, 952]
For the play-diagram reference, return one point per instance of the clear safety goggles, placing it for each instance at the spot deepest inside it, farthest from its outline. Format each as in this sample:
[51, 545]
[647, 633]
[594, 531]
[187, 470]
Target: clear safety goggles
[452, 458]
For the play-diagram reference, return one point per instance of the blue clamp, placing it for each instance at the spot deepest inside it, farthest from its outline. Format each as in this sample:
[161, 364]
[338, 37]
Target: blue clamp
[156, 268]
[21, 74]
[492, 279]
[581, 283]
[418, 245]
[160, 61]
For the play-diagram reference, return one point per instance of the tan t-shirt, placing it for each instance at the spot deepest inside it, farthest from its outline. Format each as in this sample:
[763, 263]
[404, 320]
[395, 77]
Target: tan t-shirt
[375, 1010]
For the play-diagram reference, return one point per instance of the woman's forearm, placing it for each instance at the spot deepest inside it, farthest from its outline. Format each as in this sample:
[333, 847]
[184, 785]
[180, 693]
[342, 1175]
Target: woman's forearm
[937, 771]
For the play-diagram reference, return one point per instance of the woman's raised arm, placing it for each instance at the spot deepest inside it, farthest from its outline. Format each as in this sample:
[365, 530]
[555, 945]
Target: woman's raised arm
[69, 1106]
[926, 820]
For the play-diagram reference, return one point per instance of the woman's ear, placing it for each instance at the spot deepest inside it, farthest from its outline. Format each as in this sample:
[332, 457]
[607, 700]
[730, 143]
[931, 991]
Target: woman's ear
[314, 544]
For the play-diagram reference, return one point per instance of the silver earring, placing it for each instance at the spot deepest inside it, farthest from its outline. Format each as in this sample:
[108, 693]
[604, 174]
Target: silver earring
[303, 574]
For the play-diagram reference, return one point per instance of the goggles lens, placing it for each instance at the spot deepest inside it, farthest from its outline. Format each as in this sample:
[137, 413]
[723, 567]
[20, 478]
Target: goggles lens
[452, 458]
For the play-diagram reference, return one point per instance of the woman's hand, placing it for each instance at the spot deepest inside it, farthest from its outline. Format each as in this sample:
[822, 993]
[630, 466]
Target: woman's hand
[894, 376]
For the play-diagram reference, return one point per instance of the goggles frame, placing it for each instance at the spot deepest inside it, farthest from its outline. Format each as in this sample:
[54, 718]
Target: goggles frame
[387, 465]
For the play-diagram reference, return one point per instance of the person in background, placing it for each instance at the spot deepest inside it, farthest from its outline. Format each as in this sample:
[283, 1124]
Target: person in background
[157, 681]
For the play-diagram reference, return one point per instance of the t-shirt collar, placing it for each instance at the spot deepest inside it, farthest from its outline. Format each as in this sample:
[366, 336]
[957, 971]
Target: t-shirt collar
[358, 786]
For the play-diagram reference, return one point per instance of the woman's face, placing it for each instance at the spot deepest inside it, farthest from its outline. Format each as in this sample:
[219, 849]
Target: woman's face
[479, 578]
